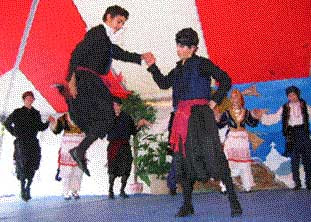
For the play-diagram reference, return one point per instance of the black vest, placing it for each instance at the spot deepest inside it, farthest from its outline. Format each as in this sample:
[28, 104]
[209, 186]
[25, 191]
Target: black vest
[286, 113]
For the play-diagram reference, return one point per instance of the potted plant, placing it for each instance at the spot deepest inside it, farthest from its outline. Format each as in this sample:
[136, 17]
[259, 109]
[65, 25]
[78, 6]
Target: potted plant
[152, 162]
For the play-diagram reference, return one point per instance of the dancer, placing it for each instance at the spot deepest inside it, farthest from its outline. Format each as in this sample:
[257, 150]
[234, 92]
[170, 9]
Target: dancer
[119, 152]
[194, 137]
[25, 123]
[236, 145]
[89, 100]
[69, 171]
[295, 116]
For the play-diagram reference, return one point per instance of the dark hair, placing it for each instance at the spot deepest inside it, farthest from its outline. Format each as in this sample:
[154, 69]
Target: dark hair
[114, 11]
[293, 89]
[28, 93]
[187, 37]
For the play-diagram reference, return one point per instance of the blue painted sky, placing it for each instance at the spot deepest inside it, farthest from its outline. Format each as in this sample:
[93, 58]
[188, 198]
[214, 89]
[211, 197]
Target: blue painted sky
[272, 97]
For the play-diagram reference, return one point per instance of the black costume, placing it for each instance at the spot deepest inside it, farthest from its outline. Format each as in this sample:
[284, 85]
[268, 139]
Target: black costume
[227, 119]
[298, 144]
[119, 151]
[92, 109]
[25, 124]
[295, 117]
[199, 156]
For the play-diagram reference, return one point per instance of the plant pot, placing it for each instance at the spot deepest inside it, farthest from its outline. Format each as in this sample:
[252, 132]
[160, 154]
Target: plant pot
[136, 187]
[158, 186]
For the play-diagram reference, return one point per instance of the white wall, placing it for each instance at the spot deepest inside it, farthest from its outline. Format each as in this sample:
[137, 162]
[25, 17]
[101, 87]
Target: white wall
[152, 26]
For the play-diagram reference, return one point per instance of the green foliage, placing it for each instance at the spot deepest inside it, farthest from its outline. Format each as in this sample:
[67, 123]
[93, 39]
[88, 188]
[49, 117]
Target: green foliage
[152, 157]
[150, 150]
[138, 109]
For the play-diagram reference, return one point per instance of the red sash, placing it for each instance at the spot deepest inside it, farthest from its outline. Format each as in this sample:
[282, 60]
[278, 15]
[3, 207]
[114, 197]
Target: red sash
[112, 82]
[180, 123]
[114, 148]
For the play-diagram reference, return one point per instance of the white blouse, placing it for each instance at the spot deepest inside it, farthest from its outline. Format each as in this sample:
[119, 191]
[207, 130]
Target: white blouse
[295, 115]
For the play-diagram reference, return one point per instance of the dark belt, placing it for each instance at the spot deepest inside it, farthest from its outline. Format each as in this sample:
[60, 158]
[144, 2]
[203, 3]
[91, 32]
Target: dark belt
[296, 127]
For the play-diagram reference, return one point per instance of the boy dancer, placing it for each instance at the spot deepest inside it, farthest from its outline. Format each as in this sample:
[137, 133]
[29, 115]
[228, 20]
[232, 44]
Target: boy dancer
[25, 123]
[295, 116]
[194, 138]
[89, 100]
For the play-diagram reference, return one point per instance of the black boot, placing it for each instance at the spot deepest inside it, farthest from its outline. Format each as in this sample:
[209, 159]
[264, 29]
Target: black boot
[187, 208]
[236, 209]
[28, 196]
[185, 211]
[111, 183]
[173, 192]
[29, 182]
[57, 177]
[297, 188]
[111, 195]
[80, 160]
[123, 194]
[23, 191]
[122, 191]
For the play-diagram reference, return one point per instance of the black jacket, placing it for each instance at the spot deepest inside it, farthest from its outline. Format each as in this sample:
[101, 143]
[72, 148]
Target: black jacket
[25, 123]
[96, 52]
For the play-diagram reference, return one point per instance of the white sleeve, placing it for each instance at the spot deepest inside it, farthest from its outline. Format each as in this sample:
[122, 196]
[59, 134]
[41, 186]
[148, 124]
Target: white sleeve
[309, 111]
[270, 119]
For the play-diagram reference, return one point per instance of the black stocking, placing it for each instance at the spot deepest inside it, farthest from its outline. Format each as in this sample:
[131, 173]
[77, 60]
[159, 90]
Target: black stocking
[123, 182]
[111, 182]
[187, 192]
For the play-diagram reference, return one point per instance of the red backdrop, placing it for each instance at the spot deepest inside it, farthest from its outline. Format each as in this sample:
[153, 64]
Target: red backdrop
[258, 40]
[56, 30]
[252, 40]
[13, 19]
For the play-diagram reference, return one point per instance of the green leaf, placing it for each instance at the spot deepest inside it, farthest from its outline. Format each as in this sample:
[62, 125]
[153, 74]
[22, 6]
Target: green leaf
[145, 178]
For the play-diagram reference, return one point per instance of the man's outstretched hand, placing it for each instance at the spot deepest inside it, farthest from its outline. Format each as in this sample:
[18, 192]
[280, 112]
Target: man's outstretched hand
[149, 58]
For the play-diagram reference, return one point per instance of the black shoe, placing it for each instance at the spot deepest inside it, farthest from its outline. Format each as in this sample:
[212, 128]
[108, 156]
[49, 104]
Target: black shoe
[236, 209]
[24, 195]
[75, 196]
[57, 177]
[67, 198]
[124, 195]
[28, 194]
[111, 195]
[185, 211]
[81, 162]
[224, 192]
[296, 188]
[173, 192]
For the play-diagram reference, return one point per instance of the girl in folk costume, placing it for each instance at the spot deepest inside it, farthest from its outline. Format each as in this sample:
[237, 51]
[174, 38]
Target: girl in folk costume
[70, 173]
[236, 145]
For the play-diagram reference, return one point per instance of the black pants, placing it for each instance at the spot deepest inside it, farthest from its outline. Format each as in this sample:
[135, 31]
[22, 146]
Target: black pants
[27, 154]
[301, 150]
[204, 156]
[187, 185]
[92, 109]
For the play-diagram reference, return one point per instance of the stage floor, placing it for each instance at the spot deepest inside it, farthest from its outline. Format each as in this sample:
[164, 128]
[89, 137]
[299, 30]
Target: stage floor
[261, 206]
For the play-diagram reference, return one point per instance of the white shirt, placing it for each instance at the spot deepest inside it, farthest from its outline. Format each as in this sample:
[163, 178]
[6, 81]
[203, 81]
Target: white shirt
[295, 115]
[113, 36]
